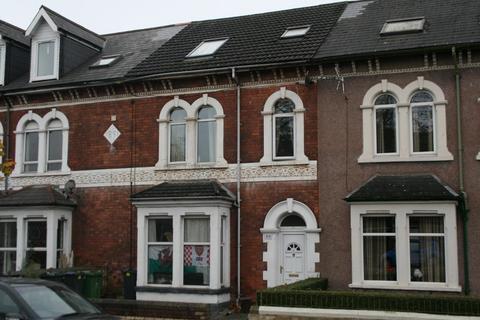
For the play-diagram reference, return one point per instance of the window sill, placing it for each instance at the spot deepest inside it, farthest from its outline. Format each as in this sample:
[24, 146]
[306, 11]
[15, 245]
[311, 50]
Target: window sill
[411, 287]
[43, 174]
[205, 290]
[175, 167]
[412, 158]
[284, 163]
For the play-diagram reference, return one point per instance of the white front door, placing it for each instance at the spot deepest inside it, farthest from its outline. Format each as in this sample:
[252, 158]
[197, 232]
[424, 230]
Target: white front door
[293, 258]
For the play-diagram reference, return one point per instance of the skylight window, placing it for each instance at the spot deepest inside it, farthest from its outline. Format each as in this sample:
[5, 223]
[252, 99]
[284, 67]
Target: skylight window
[207, 48]
[403, 26]
[105, 61]
[295, 32]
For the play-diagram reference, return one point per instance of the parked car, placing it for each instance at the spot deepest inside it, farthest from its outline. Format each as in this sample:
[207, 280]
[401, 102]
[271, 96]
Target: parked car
[25, 299]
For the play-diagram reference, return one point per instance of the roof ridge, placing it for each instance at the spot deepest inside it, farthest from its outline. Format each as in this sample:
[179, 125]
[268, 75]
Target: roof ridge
[72, 22]
[146, 29]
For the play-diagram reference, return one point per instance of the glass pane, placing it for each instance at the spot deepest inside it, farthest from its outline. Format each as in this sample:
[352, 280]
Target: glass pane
[37, 234]
[196, 265]
[44, 301]
[30, 167]
[36, 257]
[427, 259]
[207, 48]
[196, 230]
[56, 166]
[422, 123]
[178, 115]
[8, 234]
[386, 130]
[284, 106]
[160, 264]
[422, 96]
[206, 141]
[55, 145]
[293, 220]
[177, 143]
[284, 137]
[379, 258]
[378, 224]
[426, 225]
[45, 58]
[160, 230]
[8, 260]
[7, 305]
[31, 146]
[206, 112]
[385, 99]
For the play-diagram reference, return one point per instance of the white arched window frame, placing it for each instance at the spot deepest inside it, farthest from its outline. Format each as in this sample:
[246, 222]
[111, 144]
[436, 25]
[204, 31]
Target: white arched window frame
[206, 123]
[413, 106]
[279, 115]
[43, 130]
[404, 126]
[269, 127]
[377, 108]
[191, 133]
[177, 125]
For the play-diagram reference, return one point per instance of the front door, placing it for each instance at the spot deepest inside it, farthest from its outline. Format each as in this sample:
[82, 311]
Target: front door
[293, 258]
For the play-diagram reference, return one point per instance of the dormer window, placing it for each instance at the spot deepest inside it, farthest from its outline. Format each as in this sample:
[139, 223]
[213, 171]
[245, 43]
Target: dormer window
[295, 32]
[106, 61]
[45, 58]
[2, 63]
[207, 48]
[403, 26]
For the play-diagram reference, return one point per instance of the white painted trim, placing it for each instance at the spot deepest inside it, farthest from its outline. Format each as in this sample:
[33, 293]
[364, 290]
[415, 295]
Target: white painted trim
[37, 19]
[273, 237]
[405, 148]
[42, 147]
[54, 36]
[184, 297]
[354, 314]
[402, 211]
[3, 61]
[268, 127]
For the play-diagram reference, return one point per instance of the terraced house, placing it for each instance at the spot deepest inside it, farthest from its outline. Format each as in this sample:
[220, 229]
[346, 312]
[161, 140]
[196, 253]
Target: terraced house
[220, 157]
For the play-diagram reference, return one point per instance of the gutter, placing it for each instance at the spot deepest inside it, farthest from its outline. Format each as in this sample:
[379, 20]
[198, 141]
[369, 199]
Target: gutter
[463, 205]
[6, 138]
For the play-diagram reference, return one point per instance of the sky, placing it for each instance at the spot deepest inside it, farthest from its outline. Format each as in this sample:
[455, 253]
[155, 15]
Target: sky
[107, 16]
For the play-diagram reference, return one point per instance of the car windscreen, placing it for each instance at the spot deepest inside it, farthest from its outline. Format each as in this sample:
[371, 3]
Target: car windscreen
[51, 302]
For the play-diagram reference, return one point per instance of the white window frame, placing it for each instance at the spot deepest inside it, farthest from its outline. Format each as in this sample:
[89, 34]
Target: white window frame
[36, 249]
[423, 104]
[197, 136]
[42, 143]
[404, 127]
[185, 243]
[25, 162]
[170, 125]
[3, 59]
[7, 249]
[402, 212]
[287, 34]
[379, 107]
[47, 160]
[148, 244]
[191, 134]
[34, 59]
[269, 158]
[194, 54]
[274, 135]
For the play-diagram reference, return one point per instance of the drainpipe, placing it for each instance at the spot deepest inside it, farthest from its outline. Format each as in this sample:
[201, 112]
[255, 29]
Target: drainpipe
[6, 138]
[464, 207]
[239, 176]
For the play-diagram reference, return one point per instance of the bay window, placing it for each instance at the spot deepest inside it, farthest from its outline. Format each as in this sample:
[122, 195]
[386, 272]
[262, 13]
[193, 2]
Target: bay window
[8, 246]
[196, 251]
[36, 246]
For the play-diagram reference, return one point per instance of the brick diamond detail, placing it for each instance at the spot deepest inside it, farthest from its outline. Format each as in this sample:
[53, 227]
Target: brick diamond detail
[112, 134]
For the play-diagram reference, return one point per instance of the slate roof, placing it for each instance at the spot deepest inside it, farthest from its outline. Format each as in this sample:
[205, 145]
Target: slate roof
[134, 46]
[74, 28]
[403, 188]
[448, 22]
[186, 190]
[45, 195]
[253, 39]
[10, 31]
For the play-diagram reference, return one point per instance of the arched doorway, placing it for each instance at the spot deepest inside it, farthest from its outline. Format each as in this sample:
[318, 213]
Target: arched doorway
[290, 231]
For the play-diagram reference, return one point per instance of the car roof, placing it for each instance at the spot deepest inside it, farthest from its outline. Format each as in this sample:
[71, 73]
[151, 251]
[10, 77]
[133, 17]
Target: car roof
[27, 281]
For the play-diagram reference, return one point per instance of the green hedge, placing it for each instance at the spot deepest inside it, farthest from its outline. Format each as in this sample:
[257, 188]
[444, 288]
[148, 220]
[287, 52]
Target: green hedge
[423, 303]
[307, 284]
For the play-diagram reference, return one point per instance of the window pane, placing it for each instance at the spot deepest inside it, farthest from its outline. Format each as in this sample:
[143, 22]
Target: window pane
[422, 125]
[36, 257]
[30, 167]
[160, 260]
[284, 137]
[37, 234]
[160, 230]
[378, 224]
[8, 234]
[206, 141]
[196, 265]
[196, 230]
[284, 106]
[206, 112]
[45, 58]
[8, 260]
[56, 166]
[7, 305]
[422, 96]
[31, 146]
[178, 115]
[386, 130]
[427, 259]
[379, 258]
[426, 224]
[385, 99]
[55, 145]
[177, 143]
[293, 220]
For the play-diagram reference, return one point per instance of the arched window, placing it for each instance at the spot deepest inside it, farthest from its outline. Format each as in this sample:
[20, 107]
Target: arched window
[386, 124]
[206, 134]
[293, 220]
[284, 129]
[178, 132]
[31, 147]
[423, 122]
[54, 145]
